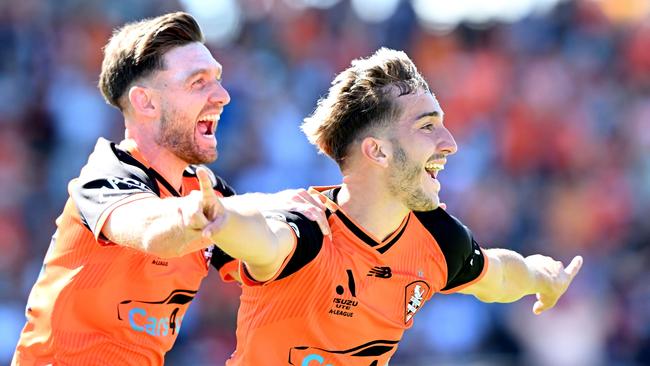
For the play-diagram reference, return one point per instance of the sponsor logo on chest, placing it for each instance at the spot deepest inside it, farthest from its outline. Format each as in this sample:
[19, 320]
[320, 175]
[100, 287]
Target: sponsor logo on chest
[345, 306]
[158, 318]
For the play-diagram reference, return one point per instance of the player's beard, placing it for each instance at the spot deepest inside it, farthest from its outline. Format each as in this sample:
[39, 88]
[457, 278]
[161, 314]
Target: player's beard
[177, 134]
[405, 181]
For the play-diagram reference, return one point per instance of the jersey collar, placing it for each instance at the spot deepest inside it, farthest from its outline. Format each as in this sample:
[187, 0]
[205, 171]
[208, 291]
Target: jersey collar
[129, 146]
[328, 196]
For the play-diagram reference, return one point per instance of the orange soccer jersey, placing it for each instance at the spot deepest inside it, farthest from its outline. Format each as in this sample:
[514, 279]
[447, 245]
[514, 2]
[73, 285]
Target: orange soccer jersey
[347, 301]
[98, 303]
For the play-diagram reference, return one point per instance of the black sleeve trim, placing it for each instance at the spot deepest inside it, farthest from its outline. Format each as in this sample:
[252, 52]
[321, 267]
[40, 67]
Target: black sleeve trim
[219, 258]
[471, 270]
[109, 176]
[309, 240]
[463, 255]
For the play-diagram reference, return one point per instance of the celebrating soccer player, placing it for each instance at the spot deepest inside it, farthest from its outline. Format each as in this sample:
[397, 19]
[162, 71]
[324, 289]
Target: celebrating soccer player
[128, 254]
[346, 298]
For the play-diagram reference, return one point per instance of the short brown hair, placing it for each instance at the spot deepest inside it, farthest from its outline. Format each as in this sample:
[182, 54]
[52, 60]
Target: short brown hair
[362, 98]
[137, 49]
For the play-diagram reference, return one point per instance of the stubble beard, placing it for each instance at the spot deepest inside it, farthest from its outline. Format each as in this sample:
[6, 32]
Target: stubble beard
[404, 182]
[176, 134]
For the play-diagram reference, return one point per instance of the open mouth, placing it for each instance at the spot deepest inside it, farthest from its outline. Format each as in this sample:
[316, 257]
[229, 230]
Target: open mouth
[207, 124]
[433, 169]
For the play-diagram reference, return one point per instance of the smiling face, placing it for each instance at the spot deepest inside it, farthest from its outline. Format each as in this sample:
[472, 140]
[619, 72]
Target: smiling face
[420, 144]
[191, 101]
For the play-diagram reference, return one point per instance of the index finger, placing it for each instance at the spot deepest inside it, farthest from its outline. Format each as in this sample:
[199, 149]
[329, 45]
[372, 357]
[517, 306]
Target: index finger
[205, 183]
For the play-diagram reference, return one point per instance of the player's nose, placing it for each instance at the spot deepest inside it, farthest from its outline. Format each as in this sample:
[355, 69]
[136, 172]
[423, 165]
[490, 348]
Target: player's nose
[446, 142]
[219, 95]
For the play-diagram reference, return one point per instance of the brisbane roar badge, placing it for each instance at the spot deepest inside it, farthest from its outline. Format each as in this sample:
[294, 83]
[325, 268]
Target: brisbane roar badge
[414, 296]
[207, 254]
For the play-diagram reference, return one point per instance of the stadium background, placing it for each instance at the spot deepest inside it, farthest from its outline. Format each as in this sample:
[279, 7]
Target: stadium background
[548, 100]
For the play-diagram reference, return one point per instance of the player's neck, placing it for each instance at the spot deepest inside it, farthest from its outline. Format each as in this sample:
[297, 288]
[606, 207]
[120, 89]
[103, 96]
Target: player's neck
[368, 206]
[168, 165]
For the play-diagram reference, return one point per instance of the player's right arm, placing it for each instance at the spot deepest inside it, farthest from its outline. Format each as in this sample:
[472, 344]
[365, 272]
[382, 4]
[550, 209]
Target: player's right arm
[118, 200]
[173, 227]
[168, 227]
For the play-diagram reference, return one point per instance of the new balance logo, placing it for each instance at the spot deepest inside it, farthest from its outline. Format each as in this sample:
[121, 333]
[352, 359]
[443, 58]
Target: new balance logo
[381, 272]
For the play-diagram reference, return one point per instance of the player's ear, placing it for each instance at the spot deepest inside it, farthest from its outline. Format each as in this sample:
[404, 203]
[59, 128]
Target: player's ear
[142, 100]
[376, 150]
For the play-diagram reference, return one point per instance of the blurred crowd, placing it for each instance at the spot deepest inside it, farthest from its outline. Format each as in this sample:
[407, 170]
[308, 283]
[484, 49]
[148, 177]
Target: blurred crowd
[551, 115]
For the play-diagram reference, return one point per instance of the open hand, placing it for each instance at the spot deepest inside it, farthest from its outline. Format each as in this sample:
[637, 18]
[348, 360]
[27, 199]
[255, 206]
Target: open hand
[555, 279]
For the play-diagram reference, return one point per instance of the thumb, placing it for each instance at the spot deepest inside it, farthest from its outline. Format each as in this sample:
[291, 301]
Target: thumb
[574, 267]
[207, 192]
[209, 200]
[542, 304]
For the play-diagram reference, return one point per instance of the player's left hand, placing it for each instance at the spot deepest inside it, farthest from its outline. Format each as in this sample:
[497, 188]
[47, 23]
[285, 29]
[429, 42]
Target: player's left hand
[553, 279]
[299, 200]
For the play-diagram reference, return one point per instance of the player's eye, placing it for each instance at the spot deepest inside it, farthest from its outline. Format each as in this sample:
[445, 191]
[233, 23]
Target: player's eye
[198, 83]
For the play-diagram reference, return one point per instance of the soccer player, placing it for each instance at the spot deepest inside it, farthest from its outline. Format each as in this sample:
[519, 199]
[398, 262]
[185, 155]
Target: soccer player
[128, 255]
[346, 299]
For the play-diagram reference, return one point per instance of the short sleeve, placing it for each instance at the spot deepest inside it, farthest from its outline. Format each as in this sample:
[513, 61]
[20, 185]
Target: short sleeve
[111, 178]
[474, 264]
[466, 262]
[309, 241]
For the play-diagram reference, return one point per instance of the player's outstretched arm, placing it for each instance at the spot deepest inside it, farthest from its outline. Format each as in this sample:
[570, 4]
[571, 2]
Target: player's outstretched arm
[510, 276]
[240, 230]
[169, 227]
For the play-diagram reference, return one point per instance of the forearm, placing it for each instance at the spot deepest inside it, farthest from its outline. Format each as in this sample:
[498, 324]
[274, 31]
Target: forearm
[242, 232]
[246, 235]
[510, 277]
[155, 226]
